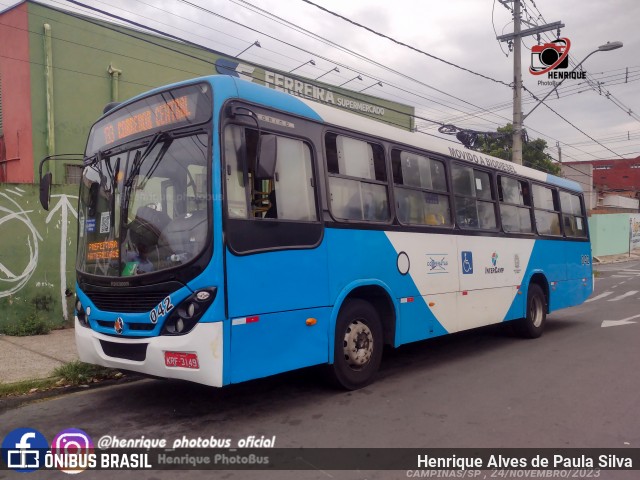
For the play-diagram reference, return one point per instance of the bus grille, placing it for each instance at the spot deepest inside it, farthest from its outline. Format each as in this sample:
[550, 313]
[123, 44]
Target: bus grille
[129, 300]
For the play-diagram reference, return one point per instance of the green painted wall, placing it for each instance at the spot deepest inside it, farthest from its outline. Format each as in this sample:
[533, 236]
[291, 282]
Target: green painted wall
[82, 53]
[32, 265]
[609, 233]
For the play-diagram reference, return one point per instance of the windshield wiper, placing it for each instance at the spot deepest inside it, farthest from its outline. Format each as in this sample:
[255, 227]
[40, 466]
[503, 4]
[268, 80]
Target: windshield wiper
[141, 156]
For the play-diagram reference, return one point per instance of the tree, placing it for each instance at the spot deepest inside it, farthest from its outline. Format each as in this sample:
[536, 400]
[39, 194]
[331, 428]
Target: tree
[533, 151]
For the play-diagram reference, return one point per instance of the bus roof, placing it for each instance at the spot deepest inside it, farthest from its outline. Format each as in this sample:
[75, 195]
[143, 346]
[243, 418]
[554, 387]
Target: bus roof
[334, 116]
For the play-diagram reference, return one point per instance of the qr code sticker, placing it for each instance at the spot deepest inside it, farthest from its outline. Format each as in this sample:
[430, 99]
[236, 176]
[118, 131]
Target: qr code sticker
[105, 222]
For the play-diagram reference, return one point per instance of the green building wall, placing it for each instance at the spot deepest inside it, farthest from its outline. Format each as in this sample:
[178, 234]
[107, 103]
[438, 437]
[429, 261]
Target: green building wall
[83, 49]
[37, 258]
[609, 233]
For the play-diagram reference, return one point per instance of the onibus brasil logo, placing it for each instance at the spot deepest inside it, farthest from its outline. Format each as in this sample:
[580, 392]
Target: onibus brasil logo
[71, 451]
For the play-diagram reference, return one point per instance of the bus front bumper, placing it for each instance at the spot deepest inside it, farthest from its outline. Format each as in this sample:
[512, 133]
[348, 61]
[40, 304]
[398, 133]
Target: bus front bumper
[147, 355]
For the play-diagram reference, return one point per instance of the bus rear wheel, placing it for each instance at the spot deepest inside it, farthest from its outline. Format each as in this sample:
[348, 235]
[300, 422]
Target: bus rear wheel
[532, 325]
[358, 345]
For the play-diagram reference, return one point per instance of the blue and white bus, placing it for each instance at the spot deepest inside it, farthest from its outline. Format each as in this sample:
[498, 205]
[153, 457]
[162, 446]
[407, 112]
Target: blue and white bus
[229, 231]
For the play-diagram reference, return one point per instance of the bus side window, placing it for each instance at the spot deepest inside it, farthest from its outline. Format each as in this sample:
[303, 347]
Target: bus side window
[236, 175]
[546, 210]
[357, 179]
[292, 195]
[515, 204]
[474, 198]
[573, 215]
[289, 195]
[418, 181]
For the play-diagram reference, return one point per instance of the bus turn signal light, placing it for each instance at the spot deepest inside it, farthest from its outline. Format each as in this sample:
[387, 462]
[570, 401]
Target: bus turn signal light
[311, 322]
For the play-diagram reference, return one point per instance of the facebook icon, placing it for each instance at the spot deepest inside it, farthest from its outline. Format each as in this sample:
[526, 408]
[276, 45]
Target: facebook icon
[24, 449]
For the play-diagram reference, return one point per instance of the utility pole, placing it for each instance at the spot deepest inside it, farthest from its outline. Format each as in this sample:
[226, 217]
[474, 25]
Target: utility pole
[516, 39]
[516, 155]
[559, 151]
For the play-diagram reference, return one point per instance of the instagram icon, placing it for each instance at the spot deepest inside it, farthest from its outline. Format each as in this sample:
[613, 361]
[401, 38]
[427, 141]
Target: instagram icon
[75, 445]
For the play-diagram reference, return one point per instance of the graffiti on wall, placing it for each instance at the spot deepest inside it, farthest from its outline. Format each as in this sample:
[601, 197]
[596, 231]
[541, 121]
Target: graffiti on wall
[35, 245]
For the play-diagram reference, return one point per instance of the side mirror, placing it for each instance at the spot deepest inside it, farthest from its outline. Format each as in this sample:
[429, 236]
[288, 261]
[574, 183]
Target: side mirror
[267, 155]
[45, 190]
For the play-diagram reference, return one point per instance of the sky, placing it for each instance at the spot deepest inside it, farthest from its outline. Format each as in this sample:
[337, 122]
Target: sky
[461, 32]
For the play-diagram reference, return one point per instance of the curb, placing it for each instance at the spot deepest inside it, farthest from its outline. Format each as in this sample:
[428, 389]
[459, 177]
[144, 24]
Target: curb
[10, 403]
[605, 261]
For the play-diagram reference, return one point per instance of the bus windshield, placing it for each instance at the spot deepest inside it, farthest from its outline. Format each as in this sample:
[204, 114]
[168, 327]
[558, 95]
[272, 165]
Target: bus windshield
[144, 209]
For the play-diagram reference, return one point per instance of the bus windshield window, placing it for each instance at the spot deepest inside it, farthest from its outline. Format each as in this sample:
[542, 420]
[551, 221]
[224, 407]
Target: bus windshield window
[145, 209]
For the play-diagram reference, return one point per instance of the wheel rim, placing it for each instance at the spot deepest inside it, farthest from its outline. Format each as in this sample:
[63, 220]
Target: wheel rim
[536, 312]
[357, 344]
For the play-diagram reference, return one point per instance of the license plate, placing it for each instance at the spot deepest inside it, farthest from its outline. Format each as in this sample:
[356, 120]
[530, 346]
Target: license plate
[181, 360]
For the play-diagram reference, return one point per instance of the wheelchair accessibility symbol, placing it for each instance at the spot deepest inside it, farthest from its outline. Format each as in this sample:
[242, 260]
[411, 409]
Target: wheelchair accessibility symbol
[467, 263]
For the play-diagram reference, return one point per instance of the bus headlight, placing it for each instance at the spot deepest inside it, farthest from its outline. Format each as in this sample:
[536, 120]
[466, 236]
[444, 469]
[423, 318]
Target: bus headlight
[179, 325]
[187, 314]
[80, 313]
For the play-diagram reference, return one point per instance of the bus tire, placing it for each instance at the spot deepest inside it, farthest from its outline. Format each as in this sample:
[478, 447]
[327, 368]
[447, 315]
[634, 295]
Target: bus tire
[532, 325]
[358, 345]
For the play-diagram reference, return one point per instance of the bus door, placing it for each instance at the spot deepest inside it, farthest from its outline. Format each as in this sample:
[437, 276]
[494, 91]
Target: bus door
[276, 269]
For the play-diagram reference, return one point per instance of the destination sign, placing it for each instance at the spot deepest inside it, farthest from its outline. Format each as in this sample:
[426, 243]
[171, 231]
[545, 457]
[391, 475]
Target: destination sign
[174, 108]
[103, 250]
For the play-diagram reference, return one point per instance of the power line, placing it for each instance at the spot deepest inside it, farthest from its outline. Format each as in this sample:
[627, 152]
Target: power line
[411, 47]
[250, 28]
[493, 9]
[282, 21]
[573, 125]
[608, 95]
[209, 62]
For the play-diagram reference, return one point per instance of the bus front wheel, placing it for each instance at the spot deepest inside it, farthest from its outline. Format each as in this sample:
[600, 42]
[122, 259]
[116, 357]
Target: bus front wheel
[533, 324]
[358, 345]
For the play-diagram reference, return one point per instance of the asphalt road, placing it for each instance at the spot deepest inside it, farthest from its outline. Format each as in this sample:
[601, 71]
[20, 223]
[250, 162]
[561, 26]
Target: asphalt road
[576, 386]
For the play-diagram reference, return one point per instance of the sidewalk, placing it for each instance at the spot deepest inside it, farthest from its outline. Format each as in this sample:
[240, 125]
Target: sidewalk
[29, 358]
[622, 257]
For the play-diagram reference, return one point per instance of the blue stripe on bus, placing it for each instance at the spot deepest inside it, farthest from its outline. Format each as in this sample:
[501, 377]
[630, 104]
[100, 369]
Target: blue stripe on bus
[275, 99]
[563, 183]
[561, 263]
[368, 254]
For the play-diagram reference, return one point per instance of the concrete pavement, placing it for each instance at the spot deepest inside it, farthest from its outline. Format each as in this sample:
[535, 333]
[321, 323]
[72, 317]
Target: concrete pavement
[29, 358]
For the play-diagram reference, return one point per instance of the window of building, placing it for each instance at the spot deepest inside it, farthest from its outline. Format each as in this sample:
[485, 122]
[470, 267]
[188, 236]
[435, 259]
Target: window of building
[573, 217]
[418, 181]
[515, 205]
[546, 210]
[474, 198]
[357, 179]
[73, 174]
